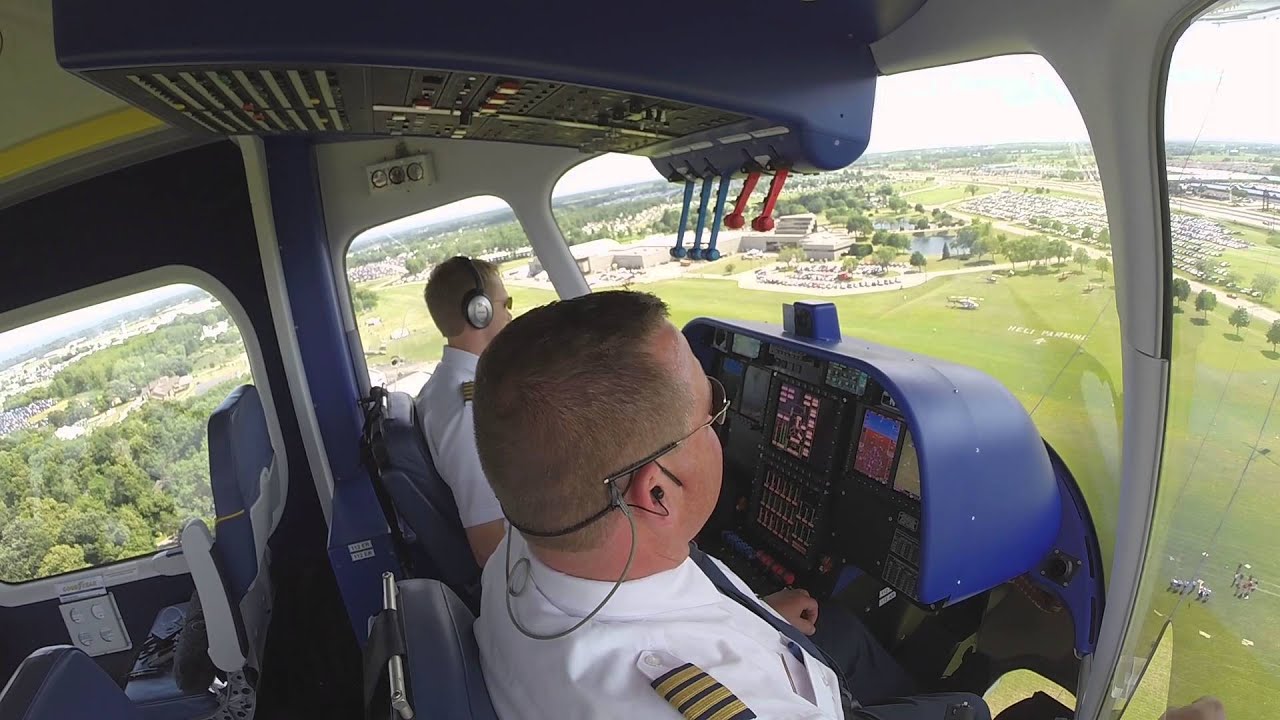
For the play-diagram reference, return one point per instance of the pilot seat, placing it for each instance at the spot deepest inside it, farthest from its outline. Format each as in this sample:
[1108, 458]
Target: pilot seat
[427, 631]
[418, 504]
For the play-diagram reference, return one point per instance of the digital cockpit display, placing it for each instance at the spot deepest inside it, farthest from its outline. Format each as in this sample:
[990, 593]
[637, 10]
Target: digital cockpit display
[802, 424]
[907, 479]
[731, 375]
[877, 446]
[746, 346]
[755, 392]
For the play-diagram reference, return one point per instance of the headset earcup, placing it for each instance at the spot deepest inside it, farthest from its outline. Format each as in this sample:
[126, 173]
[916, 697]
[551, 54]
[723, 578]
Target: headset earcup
[479, 309]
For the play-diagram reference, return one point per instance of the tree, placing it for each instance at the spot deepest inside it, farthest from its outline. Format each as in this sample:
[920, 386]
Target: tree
[791, 255]
[1103, 264]
[919, 207]
[946, 251]
[899, 241]
[859, 225]
[1239, 319]
[1181, 290]
[879, 237]
[967, 237]
[971, 189]
[1081, 258]
[922, 223]
[1058, 249]
[414, 265]
[980, 247]
[1265, 283]
[885, 190]
[62, 559]
[1273, 335]
[364, 300]
[849, 263]
[897, 204]
[1205, 302]
[1232, 279]
[1086, 233]
[1104, 237]
[729, 268]
[885, 255]
[918, 260]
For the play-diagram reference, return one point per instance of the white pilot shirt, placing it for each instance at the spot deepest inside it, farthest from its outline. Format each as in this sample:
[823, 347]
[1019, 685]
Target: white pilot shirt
[447, 423]
[651, 626]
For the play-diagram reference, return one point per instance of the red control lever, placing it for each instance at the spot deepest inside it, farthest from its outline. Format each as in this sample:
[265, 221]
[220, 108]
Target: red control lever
[737, 219]
[764, 222]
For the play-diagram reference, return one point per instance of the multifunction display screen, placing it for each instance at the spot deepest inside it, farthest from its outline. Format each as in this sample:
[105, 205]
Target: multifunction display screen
[877, 446]
[755, 392]
[907, 480]
[801, 424]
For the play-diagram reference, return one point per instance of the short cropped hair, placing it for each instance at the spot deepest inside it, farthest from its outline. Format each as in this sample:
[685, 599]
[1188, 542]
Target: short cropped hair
[566, 395]
[449, 282]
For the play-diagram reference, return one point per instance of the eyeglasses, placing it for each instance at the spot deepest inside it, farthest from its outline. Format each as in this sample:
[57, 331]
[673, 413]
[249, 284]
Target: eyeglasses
[719, 409]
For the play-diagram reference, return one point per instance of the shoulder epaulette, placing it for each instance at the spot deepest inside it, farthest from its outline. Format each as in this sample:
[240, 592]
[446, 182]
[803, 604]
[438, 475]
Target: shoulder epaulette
[468, 391]
[698, 696]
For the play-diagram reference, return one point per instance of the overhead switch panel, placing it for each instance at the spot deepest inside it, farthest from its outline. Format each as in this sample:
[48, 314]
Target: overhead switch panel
[389, 101]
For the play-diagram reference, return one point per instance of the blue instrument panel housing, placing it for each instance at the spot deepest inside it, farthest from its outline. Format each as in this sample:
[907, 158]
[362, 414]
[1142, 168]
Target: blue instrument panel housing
[793, 86]
[990, 505]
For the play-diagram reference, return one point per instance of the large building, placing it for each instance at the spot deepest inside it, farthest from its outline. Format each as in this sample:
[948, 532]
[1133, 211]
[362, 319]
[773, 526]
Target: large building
[800, 231]
[592, 257]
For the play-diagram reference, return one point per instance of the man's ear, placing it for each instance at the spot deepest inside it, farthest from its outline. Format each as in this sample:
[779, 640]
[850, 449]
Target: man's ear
[648, 491]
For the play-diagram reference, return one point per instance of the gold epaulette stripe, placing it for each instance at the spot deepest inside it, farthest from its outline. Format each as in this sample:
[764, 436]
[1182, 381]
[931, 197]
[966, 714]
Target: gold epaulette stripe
[468, 391]
[698, 696]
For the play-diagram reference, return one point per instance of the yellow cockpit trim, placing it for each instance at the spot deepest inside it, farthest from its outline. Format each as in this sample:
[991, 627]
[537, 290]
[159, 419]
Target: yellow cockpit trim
[75, 139]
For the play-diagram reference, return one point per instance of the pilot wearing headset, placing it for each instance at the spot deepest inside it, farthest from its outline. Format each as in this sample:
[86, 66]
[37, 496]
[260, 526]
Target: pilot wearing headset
[594, 425]
[468, 303]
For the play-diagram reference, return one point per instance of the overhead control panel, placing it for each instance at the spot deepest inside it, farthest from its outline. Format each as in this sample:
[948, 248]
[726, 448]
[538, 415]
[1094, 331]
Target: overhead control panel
[340, 101]
[844, 454]
[724, 88]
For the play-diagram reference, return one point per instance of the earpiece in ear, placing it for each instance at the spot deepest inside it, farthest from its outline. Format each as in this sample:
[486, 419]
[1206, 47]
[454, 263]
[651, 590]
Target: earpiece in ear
[658, 493]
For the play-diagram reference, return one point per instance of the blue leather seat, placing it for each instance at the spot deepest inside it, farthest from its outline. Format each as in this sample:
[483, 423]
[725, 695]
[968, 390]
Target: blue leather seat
[62, 682]
[442, 662]
[230, 564]
[423, 504]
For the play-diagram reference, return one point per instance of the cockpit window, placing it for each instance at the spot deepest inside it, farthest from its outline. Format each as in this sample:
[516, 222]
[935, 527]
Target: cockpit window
[104, 452]
[387, 270]
[978, 236]
[1206, 619]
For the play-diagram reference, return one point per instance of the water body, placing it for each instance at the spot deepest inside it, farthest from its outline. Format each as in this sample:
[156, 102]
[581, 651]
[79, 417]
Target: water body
[931, 245]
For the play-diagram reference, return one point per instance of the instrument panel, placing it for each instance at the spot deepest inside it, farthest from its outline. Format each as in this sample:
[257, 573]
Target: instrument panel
[808, 441]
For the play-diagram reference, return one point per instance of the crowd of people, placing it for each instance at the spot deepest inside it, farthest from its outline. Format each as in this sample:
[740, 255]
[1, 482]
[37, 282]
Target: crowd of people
[1187, 587]
[833, 277]
[1244, 586]
[376, 270]
[19, 418]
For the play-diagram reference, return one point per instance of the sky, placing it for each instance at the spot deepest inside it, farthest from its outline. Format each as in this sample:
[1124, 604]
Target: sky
[19, 340]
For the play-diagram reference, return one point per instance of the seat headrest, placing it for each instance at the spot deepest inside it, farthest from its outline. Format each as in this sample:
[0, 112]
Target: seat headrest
[62, 682]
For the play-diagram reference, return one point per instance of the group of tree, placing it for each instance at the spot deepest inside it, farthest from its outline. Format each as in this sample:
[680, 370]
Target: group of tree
[363, 299]
[115, 493]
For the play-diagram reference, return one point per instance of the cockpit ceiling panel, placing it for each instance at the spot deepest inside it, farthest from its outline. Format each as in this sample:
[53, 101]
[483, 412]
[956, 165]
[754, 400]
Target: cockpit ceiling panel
[411, 102]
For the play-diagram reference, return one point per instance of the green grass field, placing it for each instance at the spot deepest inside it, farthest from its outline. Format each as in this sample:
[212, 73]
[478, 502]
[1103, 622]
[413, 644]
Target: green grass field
[1222, 390]
[940, 195]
